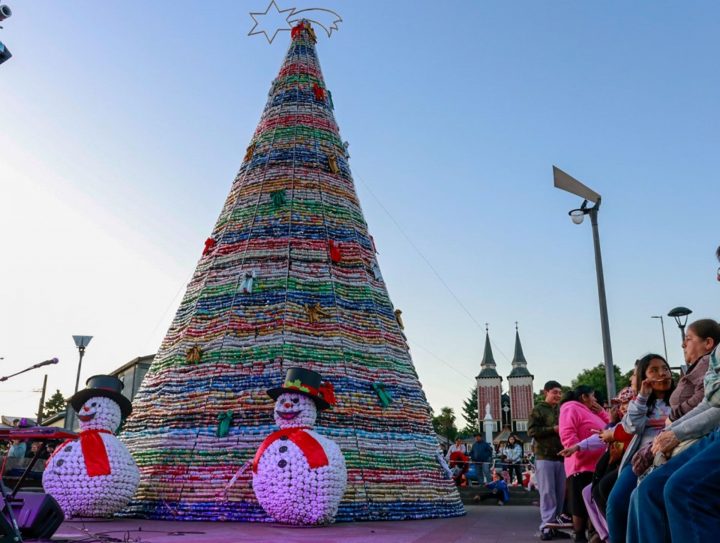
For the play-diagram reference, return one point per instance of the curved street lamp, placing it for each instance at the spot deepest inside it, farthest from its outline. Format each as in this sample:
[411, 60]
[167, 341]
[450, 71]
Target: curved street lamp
[570, 184]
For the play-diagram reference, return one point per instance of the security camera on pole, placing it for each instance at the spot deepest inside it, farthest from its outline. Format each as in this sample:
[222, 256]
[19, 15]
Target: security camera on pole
[5, 54]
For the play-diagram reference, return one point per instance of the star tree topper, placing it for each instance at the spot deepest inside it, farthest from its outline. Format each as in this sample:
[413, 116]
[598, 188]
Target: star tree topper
[274, 20]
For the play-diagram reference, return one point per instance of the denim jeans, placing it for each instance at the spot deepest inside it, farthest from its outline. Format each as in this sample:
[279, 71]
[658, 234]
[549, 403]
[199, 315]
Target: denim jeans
[487, 476]
[681, 499]
[617, 505]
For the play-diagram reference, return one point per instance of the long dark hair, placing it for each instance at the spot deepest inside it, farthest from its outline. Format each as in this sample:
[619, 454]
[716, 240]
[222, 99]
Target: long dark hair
[515, 443]
[641, 367]
[577, 394]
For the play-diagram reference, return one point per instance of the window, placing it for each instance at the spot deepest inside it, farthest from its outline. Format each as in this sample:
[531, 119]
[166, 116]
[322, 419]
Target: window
[521, 426]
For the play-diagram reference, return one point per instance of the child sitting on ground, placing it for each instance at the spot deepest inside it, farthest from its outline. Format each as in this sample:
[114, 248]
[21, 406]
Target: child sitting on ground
[498, 491]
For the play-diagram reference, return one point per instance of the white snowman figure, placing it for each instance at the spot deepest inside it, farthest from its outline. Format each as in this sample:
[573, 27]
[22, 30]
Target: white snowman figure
[299, 476]
[94, 475]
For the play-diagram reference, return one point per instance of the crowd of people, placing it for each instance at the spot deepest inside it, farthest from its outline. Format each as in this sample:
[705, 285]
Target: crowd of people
[643, 469]
[495, 469]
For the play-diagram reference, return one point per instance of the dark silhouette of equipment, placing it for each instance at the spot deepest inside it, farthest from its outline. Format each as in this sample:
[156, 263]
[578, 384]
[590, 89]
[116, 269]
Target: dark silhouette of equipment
[37, 514]
[34, 515]
[5, 53]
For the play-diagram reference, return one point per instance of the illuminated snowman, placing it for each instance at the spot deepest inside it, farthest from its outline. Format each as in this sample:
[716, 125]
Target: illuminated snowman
[299, 476]
[94, 475]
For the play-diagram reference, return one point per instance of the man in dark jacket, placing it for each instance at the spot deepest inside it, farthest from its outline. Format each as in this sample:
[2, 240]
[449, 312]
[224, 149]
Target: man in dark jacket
[481, 454]
[549, 466]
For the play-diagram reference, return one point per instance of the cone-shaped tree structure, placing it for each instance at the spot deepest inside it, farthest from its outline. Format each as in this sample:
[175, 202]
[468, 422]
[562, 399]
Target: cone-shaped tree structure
[288, 278]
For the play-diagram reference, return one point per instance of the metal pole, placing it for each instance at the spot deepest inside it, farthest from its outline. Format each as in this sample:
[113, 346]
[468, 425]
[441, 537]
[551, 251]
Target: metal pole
[664, 342]
[77, 379]
[69, 411]
[42, 402]
[607, 348]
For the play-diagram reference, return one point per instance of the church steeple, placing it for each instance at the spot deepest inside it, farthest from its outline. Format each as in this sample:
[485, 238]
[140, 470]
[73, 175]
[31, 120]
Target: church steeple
[520, 382]
[519, 364]
[489, 384]
[487, 366]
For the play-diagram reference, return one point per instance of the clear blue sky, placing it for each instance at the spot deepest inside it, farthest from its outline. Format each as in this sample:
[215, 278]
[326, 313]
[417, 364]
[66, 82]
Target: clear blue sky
[122, 125]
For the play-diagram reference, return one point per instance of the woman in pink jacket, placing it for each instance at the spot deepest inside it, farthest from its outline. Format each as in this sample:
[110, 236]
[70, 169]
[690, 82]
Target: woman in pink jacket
[580, 417]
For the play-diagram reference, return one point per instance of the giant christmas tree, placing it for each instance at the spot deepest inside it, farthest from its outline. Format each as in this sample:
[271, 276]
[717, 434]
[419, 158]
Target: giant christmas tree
[289, 277]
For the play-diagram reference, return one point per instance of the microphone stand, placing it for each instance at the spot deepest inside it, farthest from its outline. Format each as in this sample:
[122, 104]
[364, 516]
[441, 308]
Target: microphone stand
[33, 367]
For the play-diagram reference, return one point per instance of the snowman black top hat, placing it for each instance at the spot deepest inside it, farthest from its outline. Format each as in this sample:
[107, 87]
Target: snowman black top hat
[308, 383]
[108, 386]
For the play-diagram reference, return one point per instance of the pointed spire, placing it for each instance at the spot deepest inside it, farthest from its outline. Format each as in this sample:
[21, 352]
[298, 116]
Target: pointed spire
[488, 361]
[519, 363]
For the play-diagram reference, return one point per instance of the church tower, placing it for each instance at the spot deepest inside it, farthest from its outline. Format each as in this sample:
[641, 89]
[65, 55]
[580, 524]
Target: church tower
[520, 382]
[489, 385]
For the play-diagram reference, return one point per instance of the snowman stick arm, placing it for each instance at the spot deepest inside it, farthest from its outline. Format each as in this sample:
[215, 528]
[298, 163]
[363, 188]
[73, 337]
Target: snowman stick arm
[238, 473]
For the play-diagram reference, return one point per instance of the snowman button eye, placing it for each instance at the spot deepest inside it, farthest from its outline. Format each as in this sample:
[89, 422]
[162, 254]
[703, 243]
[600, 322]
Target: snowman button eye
[93, 404]
[295, 400]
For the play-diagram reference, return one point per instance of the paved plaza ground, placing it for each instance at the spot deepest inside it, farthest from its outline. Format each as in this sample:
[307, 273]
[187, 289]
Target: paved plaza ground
[482, 524]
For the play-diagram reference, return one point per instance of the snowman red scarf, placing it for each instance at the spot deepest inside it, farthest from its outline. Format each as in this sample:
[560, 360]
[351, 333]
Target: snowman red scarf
[310, 447]
[94, 452]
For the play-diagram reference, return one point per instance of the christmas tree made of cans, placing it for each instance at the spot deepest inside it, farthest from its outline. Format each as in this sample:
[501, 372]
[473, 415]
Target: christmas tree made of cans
[288, 278]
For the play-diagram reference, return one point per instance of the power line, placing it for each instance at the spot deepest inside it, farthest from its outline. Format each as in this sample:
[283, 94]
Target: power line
[429, 264]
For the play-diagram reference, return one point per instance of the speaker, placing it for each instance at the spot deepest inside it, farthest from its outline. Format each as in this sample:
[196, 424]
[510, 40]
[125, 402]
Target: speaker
[38, 515]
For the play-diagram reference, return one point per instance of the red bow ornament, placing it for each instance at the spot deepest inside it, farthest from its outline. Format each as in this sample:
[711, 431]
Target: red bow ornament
[319, 92]
[327, 392]
[295, 32]
[335, 255]
[210, 244]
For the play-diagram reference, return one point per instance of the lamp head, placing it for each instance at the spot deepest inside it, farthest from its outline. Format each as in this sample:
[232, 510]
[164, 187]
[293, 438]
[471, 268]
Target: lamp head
[82, 341]
[678, 313]
[5, 12]
[577, 216]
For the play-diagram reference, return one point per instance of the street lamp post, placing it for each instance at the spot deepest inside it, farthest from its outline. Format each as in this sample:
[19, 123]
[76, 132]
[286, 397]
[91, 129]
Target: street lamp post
[662, 325]
[680, 314]
[80, 342]
[570, 184]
